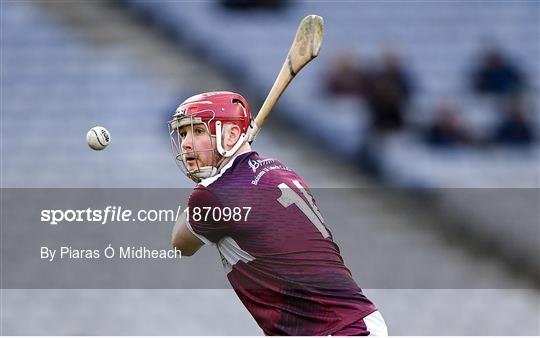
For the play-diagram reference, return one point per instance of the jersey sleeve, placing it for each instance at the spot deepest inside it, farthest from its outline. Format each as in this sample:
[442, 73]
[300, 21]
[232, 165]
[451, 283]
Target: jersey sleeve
[202, 220]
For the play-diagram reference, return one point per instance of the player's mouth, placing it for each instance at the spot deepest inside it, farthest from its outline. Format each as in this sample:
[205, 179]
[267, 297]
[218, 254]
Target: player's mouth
[190, 160]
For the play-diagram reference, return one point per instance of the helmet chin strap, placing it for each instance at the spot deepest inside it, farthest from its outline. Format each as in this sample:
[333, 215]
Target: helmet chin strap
[220, 149]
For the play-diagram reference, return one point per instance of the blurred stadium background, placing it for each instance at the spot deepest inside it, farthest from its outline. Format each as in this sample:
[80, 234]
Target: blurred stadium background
[452, 143]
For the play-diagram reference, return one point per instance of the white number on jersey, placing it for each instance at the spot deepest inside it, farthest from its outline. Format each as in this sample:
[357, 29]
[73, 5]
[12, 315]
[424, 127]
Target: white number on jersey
[289, 196]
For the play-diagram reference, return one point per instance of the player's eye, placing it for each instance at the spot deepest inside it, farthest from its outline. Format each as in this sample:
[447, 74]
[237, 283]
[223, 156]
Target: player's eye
[182, 134]
[199, 131]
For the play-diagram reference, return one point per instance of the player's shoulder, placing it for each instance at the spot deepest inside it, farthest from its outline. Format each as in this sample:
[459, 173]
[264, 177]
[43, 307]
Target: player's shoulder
[202, 196]
[232, 173]
[266, 171]
[247, 170]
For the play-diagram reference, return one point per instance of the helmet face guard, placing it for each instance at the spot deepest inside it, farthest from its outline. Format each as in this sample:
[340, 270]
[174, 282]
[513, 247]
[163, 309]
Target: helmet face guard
[199, 173]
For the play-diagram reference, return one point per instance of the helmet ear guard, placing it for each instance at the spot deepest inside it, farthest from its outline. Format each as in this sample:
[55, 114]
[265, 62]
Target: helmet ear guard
[219, 145]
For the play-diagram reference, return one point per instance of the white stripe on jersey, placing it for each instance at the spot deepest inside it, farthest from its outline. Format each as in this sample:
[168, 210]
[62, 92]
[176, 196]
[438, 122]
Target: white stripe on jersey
[231, 253]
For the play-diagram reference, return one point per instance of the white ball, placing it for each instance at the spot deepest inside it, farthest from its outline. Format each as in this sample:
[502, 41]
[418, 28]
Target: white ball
[98, 138]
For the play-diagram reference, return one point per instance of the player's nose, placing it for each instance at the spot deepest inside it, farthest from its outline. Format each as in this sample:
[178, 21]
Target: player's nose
[187, 142]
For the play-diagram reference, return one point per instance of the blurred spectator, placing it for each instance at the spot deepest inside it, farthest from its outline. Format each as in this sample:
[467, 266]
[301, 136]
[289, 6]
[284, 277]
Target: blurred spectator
[496, 74]
[388, 93]
[346, 76]
[447, 129]
[515, 129]
[253, 4]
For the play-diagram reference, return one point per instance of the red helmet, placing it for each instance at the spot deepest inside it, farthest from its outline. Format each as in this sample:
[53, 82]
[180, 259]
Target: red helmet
[214, 110]
[215, 106]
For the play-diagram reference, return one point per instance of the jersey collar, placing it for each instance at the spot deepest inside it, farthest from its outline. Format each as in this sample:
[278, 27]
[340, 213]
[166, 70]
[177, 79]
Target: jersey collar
[207, 181]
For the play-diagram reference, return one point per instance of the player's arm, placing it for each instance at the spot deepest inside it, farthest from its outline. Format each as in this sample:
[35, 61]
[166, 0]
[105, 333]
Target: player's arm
[183, 239]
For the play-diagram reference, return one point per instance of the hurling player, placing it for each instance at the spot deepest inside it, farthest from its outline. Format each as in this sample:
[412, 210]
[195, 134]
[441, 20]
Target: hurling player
[278, 254]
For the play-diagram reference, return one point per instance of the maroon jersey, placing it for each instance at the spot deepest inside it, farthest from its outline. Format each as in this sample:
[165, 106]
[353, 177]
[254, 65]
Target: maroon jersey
[278, 254]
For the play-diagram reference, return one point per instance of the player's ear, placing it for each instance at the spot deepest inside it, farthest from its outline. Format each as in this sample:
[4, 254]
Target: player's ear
[232, 135]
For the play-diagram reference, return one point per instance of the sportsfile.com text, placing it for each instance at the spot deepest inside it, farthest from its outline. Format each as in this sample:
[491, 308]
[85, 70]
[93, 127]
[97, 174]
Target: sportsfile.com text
[109, 214]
